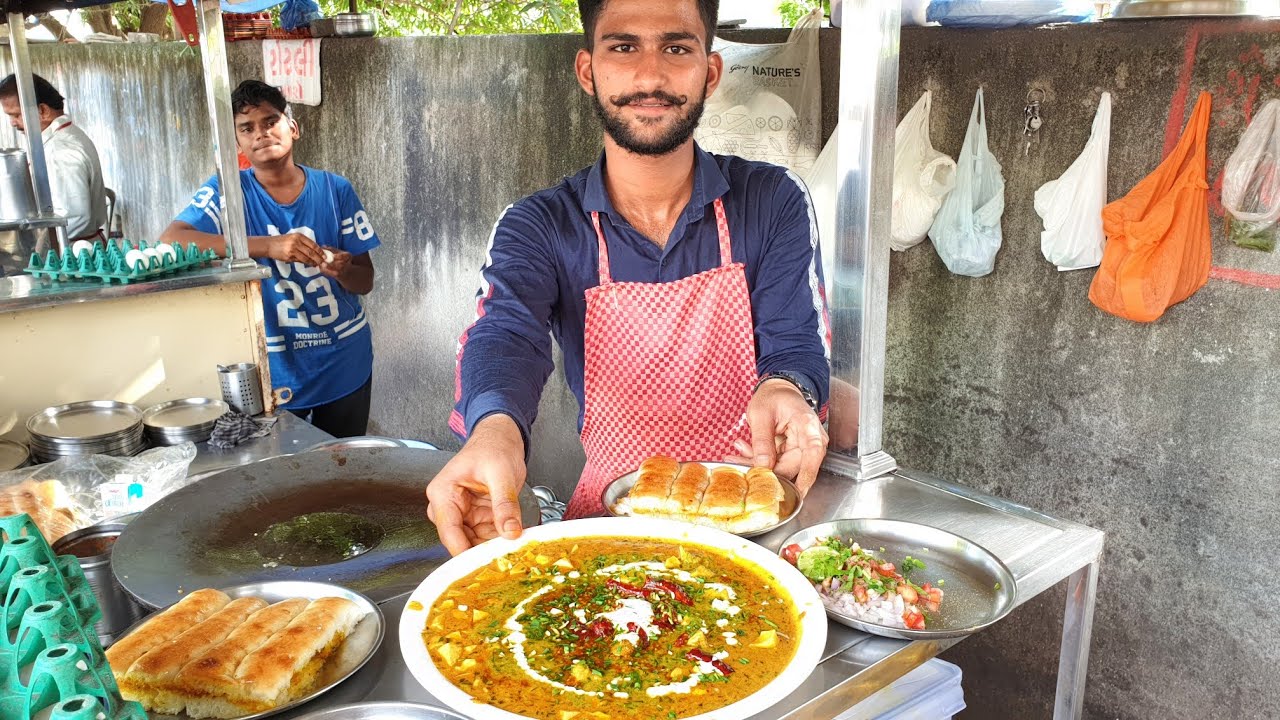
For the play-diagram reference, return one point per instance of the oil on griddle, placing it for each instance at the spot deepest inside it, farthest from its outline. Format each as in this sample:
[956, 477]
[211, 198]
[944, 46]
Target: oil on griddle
[332, 522]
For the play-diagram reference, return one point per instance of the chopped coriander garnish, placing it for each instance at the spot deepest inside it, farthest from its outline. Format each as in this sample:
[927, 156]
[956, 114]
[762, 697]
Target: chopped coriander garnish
[997, 586]
[744, 661]
[911, 564]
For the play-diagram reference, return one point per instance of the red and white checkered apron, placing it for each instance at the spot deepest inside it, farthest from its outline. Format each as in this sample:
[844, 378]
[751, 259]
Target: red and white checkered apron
[669, 369]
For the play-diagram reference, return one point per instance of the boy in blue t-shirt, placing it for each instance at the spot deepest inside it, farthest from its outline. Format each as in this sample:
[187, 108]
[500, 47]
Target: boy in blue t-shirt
[309, 227]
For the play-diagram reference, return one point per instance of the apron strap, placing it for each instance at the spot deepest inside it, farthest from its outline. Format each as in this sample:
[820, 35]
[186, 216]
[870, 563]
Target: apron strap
[603, 264]
[722, 232]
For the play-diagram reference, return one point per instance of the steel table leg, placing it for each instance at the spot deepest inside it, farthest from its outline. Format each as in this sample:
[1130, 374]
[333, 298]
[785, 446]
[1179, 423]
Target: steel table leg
[1077, 628]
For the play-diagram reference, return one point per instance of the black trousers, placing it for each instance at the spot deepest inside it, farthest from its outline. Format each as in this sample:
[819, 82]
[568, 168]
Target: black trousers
[348, 416]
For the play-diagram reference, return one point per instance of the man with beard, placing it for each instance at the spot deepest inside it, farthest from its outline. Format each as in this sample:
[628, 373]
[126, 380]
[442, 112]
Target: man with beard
[683, 288]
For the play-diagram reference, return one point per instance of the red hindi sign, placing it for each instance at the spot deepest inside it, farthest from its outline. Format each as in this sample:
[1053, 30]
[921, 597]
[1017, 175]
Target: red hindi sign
[294, 67]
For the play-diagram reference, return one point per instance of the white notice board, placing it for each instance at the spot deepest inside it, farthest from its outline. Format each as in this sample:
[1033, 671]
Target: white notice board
[294, 67]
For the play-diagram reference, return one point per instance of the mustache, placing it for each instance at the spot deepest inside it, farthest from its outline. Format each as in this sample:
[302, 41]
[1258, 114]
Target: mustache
[659, 95]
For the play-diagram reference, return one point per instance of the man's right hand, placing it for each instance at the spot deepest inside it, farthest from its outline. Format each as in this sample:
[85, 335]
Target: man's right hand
[290, 247]
[474, 498]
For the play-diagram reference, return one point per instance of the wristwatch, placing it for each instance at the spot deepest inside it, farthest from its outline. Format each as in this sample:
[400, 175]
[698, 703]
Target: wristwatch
[794, 379]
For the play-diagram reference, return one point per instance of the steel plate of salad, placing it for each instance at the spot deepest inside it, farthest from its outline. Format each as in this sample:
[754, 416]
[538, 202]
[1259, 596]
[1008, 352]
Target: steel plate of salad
[901, 579]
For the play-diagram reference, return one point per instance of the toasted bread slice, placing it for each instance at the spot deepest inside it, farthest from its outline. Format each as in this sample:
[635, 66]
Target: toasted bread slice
[153, 676]
[203, 682]
[725, 493]
[687, 489]
[287, 664]
[162, 628]
[653, 485]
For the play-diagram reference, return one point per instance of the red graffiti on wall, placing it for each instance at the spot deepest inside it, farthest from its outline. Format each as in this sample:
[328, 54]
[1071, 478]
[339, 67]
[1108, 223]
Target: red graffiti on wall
[1234, 102]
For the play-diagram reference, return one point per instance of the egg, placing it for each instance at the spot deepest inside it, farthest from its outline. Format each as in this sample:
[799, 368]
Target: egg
[133, 258]
[328, 255]
[151, 254]
[167, 251]
[79, 245]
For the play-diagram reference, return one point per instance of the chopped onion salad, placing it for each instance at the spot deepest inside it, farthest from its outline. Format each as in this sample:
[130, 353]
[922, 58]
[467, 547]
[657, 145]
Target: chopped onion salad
[853, 581]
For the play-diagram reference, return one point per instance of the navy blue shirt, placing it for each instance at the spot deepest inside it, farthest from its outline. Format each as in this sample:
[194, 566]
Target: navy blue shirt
[543, 256]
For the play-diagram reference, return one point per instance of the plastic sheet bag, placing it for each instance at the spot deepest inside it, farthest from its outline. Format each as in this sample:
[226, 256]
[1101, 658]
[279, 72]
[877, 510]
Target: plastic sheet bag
[821, 181]
[1071, 206]
[1251, 182]
[768, 106]
[299, 14]
[922, 177]
[88, 489]
[1158, 246]
[967, 232]
[1008, 13]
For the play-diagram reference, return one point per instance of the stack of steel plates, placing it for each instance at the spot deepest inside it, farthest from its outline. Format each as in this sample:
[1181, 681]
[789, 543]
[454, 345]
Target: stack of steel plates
[179, 421]
[13, 455]
[93, 427]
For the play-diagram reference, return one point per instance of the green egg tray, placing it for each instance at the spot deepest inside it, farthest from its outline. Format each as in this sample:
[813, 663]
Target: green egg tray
[107, 262]
[50, 657]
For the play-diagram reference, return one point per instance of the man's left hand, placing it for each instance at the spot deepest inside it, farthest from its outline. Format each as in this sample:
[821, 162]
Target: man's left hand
[786, 434]
[335, 267]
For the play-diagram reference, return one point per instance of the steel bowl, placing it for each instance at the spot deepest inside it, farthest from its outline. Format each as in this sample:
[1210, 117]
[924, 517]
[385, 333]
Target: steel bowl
[355, 24]
[92, 547]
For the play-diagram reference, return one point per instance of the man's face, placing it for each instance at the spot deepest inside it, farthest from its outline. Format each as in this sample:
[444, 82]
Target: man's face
[264, 134]
[13, 109]
[649, 73]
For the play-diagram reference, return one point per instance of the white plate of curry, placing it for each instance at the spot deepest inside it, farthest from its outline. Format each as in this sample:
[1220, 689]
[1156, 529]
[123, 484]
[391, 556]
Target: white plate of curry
[614, 619]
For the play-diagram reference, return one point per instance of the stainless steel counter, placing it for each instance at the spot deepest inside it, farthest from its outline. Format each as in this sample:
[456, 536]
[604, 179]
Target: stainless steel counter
[1041, 551]
[289, 435]
[23, 292]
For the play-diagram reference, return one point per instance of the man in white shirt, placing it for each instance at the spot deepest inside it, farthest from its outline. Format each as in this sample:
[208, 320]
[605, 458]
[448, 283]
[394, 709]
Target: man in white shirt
[75, 174]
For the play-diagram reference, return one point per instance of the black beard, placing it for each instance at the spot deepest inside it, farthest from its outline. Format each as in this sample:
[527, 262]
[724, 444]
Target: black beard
[620, 131]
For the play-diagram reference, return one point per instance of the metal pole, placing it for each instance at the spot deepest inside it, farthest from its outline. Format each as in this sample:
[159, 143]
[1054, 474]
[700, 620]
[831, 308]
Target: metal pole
[868, 115]
[1077, 631]
[30, 113]
[217, 90]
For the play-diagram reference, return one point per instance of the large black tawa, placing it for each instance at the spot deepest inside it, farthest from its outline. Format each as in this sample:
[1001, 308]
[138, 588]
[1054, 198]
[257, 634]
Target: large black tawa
[355, 517]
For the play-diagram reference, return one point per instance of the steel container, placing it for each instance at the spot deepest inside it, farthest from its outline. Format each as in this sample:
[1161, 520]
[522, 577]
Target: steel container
[92, 547]
[17, 202]
[241, 387]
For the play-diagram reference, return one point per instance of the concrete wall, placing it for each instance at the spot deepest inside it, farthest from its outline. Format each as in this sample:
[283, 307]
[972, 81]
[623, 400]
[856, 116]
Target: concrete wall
[1162, 435]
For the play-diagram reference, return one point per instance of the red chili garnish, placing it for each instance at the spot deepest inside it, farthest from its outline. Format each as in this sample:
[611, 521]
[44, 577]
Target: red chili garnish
[724, 669]
[664, 622]
[599, 628]
[671, 588]
[644, 636]
[697, 654]
[682, 640]
[624, 589]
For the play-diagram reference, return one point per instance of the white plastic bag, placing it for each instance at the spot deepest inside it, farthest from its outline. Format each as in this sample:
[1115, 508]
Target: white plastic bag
[821, 181]
[922, 177]
[769, 103]
[1071, 206]
[94, 488]
[966, 232]
[1251, 182]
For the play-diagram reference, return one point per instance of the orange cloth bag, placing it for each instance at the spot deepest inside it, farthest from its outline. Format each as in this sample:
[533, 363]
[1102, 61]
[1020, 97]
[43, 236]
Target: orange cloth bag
[1158, 246]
